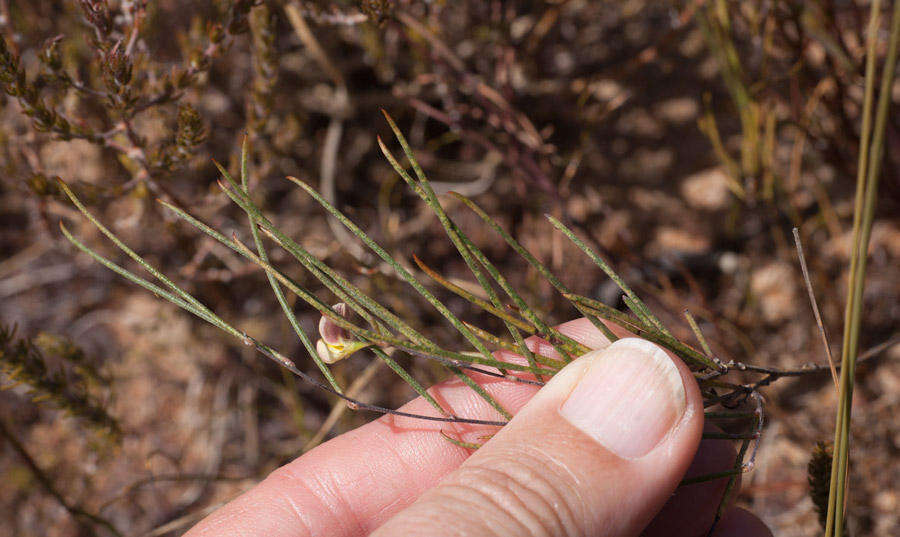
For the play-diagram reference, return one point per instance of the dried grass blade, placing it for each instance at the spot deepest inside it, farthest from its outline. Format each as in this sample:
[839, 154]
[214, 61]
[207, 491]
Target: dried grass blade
[815, 306]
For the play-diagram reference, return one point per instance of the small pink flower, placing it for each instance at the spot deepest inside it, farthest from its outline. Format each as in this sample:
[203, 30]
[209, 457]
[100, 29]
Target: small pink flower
[335, 342]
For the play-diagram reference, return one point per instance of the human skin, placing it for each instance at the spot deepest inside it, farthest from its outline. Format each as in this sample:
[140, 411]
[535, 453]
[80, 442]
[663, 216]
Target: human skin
[394, 474]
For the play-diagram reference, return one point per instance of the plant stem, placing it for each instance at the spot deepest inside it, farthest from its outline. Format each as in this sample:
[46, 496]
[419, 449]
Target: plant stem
[864, 209]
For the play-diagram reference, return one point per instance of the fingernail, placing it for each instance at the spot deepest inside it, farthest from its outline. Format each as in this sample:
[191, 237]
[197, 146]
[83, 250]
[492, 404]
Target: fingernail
[629, 398]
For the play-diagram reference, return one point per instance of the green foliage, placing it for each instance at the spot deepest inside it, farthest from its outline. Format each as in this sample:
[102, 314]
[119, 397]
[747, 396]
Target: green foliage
[387, 332]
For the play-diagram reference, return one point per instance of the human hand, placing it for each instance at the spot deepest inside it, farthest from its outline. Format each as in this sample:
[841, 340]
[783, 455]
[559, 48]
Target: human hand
[599, 450]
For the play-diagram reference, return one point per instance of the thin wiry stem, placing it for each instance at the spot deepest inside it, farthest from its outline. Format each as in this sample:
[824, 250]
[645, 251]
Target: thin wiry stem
[402, 373]
[710, 477]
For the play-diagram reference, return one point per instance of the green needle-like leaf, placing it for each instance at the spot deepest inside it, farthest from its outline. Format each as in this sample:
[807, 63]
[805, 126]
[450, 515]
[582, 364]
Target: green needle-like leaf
[481, 303]
[423, 188]
[533, 261]
[604, 266]
[276, 289]
[698, 333]
[399, 269]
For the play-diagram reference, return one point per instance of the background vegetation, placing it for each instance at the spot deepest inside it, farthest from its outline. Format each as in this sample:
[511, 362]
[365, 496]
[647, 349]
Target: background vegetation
[685, 139]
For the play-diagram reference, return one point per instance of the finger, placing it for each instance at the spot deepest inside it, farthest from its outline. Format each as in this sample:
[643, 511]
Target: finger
[740, 523]
[597, 451]
[353, 483]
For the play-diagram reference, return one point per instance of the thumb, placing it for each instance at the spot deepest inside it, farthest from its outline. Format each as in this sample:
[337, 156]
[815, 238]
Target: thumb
[597, 451]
